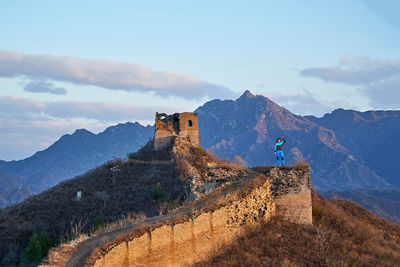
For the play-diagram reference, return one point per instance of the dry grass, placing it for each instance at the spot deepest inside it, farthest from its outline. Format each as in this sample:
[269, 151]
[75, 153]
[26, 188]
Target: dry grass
[64, 251]
[197, 160]
[301, 165]
[344, 234]
[183, 167]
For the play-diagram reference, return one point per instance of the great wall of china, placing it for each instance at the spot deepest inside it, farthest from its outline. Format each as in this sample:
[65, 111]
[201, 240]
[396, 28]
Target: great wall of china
[193, 232]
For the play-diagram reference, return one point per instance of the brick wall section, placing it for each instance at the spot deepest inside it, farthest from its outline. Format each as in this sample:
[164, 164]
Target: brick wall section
[189, 126]
[285, 192]
[292, 193]
[179, 124]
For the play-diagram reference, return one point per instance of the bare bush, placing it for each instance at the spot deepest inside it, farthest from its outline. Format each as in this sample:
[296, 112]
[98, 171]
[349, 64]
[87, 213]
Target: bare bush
[301, 165]
[322, 241]
[239, 161]
[77, 227]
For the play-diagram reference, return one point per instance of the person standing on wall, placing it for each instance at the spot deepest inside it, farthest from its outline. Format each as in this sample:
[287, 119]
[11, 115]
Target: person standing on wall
[278, 150]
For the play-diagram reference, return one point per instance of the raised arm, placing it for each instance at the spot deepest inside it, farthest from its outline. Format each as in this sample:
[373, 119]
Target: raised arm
[280, 143]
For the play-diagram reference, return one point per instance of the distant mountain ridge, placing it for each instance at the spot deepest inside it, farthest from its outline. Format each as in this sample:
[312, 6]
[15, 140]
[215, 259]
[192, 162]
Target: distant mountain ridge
[373, 137]
[75, 154]
[12, 190]
[249, 126]
[344, 148]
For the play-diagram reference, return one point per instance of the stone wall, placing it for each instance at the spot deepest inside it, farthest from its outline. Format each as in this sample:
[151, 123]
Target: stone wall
[292, 195]
[188, 126]
[284, 192]
[179, 124]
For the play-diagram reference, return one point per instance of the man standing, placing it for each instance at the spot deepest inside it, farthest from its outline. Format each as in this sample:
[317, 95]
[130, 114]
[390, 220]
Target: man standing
[278, 150]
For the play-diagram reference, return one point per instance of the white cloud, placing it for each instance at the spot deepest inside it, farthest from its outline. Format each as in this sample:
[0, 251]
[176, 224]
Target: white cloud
[44, 87]
[304, 103]
[108, 74]
[378, 80]
[28, 108]
[28, 125]
[21, 138]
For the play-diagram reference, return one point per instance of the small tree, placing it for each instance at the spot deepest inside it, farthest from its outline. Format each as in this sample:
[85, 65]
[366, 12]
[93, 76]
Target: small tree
[159, 193]
[98, 223]
[38, 247]
[130, 155]
[173, 204]
[301, 165]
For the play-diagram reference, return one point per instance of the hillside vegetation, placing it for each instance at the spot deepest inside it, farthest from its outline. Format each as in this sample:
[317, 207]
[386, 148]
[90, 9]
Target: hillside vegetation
[150, 183]
[71, 155]
[343, 234]
[114, 191]
[383, 202]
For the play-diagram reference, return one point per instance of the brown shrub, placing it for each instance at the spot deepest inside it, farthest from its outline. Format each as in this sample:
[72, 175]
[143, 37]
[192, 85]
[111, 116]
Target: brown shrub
[301, 165]
[237, 160]
[183, 167]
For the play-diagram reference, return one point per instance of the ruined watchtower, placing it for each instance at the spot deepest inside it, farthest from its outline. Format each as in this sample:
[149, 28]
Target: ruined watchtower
[179, 124]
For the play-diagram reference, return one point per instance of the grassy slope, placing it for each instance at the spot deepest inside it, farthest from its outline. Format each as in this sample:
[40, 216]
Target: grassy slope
[344, 234]
[111, 194]
[383, 202]
[115, 190]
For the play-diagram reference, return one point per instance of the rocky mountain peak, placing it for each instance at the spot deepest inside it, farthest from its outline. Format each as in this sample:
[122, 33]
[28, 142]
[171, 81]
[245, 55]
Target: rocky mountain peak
[248, 94]
[82, 132]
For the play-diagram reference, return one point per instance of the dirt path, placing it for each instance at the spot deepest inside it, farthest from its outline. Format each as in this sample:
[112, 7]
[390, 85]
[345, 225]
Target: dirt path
[84, 249]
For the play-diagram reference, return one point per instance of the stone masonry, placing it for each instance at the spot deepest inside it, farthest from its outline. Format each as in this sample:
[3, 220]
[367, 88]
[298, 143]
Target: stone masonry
[179, 124]
[282, 192]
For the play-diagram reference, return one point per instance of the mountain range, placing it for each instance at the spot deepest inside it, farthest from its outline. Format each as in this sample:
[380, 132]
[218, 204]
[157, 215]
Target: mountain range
[72, 155]
[346, 149]
[250, 125]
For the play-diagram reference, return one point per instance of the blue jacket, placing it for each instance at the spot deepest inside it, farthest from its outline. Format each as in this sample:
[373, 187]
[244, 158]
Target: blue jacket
[278, 146]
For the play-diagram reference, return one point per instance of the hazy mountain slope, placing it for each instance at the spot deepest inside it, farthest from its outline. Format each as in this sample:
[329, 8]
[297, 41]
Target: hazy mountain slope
[383, 202]
[74, 154]
[9, 181]
[250, 125]
[11, 189]
[373, 137]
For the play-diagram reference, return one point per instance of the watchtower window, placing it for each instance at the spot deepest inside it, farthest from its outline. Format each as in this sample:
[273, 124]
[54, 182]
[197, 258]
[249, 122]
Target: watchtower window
[189, 123]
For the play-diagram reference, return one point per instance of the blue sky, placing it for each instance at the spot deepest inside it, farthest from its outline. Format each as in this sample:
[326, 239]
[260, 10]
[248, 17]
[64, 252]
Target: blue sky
[90, 64]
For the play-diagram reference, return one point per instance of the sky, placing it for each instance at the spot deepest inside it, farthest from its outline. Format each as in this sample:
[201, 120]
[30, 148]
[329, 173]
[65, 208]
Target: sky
[66, 65]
